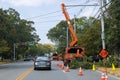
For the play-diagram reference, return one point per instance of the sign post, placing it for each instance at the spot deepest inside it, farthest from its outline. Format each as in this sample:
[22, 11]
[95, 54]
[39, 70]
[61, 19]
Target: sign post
[14, 57]
[103, 52]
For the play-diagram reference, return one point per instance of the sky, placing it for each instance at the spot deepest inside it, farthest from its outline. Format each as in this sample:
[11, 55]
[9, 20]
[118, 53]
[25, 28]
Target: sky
[48, 13]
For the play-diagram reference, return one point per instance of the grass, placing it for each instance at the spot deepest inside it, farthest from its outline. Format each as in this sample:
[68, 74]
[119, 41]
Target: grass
[115, 72]
[5, 61]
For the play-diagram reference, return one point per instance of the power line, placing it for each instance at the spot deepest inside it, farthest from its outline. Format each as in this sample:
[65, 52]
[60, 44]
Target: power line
[57, 11]
[93, 10]
[98, 12]
[42, 17]
[45, 14]
[83, 7]
[48, 16]
[48, 21]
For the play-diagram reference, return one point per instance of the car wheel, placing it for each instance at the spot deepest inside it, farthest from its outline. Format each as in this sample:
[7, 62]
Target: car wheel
[49, 68]
[35, 69]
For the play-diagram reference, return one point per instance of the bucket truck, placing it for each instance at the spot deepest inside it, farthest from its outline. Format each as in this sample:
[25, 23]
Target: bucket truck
[72, 51]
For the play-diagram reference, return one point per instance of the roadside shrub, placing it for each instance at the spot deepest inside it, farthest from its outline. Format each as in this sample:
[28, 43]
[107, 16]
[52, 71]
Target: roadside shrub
[89, 59]
[109, 60]
[86, 62]
[77, 64]
[74, 64]
[86, 65]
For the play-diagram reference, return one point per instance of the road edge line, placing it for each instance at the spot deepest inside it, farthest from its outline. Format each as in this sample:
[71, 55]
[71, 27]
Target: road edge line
[109, 75]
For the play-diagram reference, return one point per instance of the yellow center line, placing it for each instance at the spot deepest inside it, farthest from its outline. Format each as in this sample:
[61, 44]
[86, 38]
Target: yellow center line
[22, 76]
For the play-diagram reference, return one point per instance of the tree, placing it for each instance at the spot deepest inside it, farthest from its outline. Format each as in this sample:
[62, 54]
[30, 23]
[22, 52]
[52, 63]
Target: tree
[41, 49]
[112, 26]
[87, 32]
[3, 46]
[14, 30]
[58, 35]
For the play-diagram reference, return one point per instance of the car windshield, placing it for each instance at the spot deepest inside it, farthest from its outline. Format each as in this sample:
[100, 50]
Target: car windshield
[42, 58]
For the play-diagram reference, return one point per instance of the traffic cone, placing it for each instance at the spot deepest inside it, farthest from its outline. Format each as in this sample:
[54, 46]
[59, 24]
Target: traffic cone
[113, 66]
[106, 77]
[103, 76]
[58, 64]
[67, 69]
[93, 67]
[80, 72]
[62, 67]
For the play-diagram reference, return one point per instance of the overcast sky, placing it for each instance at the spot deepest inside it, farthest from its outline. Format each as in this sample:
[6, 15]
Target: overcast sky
[47, 13]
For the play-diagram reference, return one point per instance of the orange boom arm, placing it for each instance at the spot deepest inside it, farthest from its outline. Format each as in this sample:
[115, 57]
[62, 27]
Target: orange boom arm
[73, 34]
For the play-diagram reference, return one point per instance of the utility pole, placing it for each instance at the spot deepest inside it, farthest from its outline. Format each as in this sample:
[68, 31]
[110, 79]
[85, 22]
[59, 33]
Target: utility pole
[102, 25]
[103, 34]
[14, 56]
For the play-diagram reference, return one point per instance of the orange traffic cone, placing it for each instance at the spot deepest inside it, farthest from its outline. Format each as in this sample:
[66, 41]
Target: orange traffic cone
[80, 72]
[62, 67]
[106, 77]
[103, 76]
[58, 64]
[67, 69]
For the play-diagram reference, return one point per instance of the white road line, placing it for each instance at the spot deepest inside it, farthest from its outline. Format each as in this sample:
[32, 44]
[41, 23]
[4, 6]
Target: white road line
[109, 75]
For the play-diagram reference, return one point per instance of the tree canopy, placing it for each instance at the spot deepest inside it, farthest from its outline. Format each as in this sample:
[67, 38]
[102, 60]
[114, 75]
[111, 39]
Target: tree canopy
[14, 30]
[88, 31]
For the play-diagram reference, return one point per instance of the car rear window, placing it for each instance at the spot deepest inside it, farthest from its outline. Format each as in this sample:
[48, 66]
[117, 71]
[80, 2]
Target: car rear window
[42, 58]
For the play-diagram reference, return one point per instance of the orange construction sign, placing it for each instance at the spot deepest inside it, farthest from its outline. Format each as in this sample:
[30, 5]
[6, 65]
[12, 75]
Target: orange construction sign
[103, 53]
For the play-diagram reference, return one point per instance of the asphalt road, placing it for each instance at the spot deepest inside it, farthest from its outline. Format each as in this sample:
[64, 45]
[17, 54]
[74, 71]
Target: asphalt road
[13, 70]
[24, 71]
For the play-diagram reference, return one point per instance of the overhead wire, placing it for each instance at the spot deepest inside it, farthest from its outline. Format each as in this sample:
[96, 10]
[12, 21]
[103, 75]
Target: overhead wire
[47, 16]
[84, 7]
[98, 12]
[48, 21]
[93, 10]
[42, 16]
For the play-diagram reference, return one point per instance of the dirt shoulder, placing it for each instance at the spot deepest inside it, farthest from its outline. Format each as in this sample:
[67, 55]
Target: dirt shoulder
[5, 61]
[115, 72]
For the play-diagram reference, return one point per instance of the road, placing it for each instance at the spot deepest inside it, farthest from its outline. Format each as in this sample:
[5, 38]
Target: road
[24, 71]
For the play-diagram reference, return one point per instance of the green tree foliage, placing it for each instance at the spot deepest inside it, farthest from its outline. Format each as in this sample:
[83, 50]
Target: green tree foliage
[113, 27]
[58, 35]
[40, 49]
[88, 35]
[13, 29]
[3, 46]
[88, 31]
